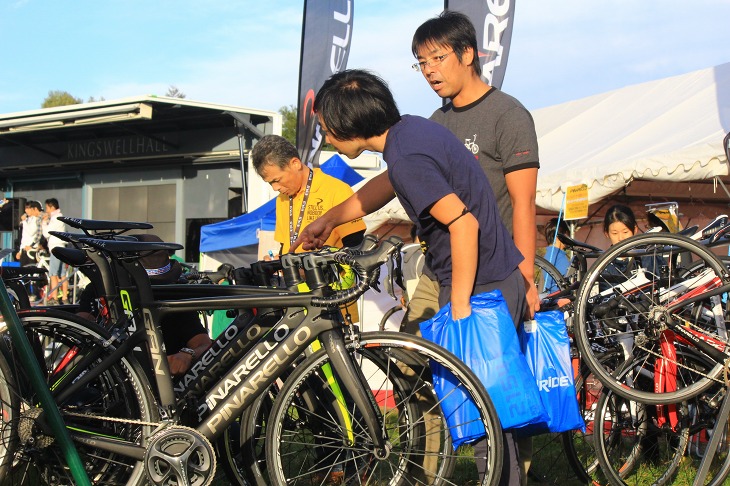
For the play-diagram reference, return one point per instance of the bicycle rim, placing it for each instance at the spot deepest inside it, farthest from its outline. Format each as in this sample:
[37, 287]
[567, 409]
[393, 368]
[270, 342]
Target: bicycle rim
[312, 445]
[60, 342]
[620, 306]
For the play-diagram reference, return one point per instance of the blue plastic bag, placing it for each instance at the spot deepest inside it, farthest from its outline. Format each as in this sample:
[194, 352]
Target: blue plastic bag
[546, 346]
[487, 343]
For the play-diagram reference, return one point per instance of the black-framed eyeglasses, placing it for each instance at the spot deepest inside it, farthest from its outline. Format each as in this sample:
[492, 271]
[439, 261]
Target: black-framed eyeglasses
[433, 62]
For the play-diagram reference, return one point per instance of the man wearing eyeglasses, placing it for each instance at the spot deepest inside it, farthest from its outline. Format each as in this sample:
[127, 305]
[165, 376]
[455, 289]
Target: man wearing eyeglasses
[500, 132]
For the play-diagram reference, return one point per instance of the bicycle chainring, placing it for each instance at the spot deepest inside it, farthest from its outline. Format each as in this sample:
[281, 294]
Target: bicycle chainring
[179, 455]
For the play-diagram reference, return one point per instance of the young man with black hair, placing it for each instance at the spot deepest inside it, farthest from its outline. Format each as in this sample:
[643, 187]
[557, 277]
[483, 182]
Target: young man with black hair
[442, 189]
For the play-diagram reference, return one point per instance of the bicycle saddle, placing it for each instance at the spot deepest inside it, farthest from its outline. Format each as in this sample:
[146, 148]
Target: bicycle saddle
[579, 246]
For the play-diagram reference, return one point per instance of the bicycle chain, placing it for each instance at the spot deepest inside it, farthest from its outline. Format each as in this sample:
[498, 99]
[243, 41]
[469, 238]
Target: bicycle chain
[115, 419]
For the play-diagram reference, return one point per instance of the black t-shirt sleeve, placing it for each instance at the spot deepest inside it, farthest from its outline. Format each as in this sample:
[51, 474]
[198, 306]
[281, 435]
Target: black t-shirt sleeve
[178, 328]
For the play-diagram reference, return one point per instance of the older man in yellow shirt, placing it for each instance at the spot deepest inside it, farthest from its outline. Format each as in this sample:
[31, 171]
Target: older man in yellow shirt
[304, 195]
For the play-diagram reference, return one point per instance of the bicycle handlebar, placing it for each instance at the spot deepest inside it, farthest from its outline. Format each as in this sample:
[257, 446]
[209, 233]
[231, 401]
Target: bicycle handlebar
[364, 264]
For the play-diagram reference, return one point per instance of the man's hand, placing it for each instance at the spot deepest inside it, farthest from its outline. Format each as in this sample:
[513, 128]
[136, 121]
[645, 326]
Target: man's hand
[314, 235]
[179, 363]
[460, 312]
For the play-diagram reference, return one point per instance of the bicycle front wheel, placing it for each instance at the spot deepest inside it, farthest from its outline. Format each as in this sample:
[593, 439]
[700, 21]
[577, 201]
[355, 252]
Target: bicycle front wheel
[112, 405]
[314, 445]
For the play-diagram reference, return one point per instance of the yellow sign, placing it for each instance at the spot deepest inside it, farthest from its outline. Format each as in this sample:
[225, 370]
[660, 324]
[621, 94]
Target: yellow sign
[576, 202]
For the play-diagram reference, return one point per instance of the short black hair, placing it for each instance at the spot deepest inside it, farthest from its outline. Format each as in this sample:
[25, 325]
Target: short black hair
[620, 214]
[356, 104]
[549, 230]
[33, 204]
[450, 28]
[53, 202]
[272, 150]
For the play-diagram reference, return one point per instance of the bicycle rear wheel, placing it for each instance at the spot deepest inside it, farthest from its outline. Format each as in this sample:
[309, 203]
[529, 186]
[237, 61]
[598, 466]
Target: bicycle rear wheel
[622, 304]
[111, 405]
[8, 416]
[313, 446]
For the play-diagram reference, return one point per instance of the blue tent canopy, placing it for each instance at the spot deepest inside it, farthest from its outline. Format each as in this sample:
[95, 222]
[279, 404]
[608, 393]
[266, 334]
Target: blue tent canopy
[242, 230]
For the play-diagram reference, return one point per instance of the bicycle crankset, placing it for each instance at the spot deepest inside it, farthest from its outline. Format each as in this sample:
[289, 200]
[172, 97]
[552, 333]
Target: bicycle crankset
[179, 455]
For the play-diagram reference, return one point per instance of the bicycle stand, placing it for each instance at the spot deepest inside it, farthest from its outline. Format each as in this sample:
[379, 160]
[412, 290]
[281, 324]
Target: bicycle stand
[712, 446]
[27, 358]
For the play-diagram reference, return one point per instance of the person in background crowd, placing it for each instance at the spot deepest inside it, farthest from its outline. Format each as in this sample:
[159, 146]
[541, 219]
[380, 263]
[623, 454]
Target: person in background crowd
[56, 268]
[304, 193]
[494, 126]
[31, 233]
[500, 132]
[442, 189]
[555, 251]
[619, 223]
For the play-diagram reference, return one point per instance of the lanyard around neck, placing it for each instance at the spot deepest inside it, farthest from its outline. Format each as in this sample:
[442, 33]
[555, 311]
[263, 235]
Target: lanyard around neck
[294, 232]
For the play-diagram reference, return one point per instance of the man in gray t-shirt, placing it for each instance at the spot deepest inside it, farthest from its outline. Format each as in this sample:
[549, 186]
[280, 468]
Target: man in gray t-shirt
[500, 133]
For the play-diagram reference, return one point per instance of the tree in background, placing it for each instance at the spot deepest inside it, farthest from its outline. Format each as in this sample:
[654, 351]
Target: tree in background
[60, 98]
[289, 124]
[173, 92]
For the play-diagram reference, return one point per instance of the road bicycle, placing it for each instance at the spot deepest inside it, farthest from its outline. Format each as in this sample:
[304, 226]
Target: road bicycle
[93, 371]
[658, 300]
[579, 448]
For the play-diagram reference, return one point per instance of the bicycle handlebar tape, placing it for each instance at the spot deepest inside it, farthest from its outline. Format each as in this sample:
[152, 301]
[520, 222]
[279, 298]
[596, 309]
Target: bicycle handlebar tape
[366, 266]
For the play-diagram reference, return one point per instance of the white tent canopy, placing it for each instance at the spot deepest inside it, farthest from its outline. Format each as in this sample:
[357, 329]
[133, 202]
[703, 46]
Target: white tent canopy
[666, 130]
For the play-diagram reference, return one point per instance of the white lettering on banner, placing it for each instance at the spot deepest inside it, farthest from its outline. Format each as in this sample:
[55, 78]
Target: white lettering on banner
[340, 44]
[553, 382]
[495, 24]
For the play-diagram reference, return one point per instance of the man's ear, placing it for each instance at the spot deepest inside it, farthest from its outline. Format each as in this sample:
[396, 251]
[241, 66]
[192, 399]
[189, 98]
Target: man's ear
[467, 57]
[295, 163]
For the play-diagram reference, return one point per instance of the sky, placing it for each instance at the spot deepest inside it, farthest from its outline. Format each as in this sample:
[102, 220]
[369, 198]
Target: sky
[246, 53]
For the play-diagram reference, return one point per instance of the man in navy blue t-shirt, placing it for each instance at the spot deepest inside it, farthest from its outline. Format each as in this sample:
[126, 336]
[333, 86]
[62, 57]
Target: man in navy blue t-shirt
[440, 185]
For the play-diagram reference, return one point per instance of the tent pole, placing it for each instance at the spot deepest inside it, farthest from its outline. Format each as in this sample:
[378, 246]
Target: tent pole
[244, 192]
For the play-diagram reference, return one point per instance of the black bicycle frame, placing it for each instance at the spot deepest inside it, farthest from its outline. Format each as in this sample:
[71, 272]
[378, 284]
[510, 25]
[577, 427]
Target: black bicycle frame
[265, 359]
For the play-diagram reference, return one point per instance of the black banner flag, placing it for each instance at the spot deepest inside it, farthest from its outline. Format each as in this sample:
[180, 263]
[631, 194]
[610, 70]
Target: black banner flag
[493, 20]
[326, 36]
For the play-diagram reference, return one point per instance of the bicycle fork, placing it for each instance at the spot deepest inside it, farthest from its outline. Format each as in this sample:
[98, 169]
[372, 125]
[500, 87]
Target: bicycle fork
[357, 388]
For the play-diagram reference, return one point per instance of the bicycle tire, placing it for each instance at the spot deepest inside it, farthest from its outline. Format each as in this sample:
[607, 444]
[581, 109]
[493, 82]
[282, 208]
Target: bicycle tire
[629, 445]
[396, 367]
[241, 448]
[542, 268]
[9, 411]
[60, 341]
[633, 327]
[388, 314]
